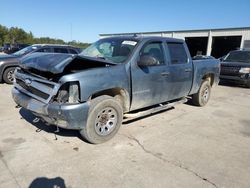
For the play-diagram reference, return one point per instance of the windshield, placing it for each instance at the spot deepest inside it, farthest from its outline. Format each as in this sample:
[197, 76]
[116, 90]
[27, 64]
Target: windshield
[112, 49]
[238, 56]
[25, 50]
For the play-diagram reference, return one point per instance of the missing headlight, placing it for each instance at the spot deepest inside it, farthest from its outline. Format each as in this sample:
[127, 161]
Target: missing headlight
[73, 92]
[68, 93]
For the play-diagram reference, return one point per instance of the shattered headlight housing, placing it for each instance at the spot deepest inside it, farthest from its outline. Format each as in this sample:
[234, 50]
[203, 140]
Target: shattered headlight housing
[69, 92]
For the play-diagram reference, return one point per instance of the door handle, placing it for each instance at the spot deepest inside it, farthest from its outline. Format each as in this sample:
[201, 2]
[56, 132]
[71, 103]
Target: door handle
[165, 73]
[188, 70]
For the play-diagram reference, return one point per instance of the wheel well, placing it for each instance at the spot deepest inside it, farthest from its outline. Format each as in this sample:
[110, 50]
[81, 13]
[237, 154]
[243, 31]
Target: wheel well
[4, 69]
[119, 94]
[209, 77]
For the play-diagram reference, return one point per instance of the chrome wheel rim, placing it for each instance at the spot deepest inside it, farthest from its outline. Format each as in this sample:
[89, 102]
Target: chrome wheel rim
[106, 121]
[10, 76]
[205, 94]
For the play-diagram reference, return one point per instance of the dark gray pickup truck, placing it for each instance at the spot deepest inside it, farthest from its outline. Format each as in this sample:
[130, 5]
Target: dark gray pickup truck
[235, 67]
[113, 80]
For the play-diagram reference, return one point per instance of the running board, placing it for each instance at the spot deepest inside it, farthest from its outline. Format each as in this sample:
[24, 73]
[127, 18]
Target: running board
[161, 107]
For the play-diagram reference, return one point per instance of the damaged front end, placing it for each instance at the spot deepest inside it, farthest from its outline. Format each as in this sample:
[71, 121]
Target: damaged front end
[55, 103]
[38, 88]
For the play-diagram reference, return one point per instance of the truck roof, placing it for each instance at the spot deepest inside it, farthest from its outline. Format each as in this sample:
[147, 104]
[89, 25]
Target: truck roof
[141, 38]
[54, 45]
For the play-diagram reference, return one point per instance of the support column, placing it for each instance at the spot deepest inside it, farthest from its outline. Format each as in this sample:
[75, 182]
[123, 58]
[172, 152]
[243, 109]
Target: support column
[209, 43]
[242, 41]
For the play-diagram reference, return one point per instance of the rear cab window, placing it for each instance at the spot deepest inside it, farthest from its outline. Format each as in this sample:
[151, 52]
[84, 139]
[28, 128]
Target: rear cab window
[177, 53]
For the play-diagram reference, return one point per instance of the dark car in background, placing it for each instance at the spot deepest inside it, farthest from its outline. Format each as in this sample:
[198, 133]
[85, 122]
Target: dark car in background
[12, 48]
[8, 62]
[6, 47]
[235, 67]
[16, 47]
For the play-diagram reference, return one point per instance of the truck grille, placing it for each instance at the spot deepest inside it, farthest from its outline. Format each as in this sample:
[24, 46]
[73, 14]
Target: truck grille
[36, 87]
[229, 70]
[32, 89]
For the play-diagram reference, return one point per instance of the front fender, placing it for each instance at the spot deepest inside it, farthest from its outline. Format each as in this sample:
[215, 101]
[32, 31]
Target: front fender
[99, 79]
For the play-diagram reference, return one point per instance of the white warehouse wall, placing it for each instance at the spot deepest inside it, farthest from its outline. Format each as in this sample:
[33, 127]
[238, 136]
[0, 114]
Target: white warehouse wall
[210, 33]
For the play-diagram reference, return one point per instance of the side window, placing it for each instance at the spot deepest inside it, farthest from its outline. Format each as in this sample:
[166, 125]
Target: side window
[155, 50]
[71, 51]
[178, 53]
[47, 50]
[61, 50]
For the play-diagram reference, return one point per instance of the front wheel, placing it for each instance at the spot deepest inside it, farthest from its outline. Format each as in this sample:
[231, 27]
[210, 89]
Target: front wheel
[8, 75]
[201, 98]
[104, 120]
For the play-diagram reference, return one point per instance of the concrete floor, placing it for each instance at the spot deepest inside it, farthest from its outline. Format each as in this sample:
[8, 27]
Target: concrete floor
[184, 147]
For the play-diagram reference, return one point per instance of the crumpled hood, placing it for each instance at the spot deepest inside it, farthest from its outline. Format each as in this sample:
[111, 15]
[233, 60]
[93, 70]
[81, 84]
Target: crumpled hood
[53, 62]
[7, 57]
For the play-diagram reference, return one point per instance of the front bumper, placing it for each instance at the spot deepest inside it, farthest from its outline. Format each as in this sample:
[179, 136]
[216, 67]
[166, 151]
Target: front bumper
[68, 116]
[243, 79]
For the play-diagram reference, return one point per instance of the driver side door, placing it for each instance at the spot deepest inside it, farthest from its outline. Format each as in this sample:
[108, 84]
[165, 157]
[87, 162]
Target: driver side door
[148, 82]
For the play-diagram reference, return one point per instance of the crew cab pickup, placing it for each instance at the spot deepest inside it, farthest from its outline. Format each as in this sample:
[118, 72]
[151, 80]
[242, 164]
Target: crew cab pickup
[111, 80]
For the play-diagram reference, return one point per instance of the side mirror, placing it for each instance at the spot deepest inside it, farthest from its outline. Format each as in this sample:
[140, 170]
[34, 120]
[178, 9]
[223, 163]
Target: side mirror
[147, 60]
[221, 59]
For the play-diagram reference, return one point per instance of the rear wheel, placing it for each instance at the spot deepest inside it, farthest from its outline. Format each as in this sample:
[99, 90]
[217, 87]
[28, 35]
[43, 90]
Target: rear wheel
[201, 98]
[8, 75]
[104, 120]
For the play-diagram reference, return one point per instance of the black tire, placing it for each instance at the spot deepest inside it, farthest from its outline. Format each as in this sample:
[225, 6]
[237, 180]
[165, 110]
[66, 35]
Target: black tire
[104, 120]
[8, 75]
[202, 97]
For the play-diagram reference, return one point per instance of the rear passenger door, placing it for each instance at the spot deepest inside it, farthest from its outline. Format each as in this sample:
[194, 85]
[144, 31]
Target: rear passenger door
[181, 70]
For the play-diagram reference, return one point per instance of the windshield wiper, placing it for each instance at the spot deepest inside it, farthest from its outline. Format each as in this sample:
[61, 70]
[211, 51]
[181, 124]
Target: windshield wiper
[104, 58]
[101, 57]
